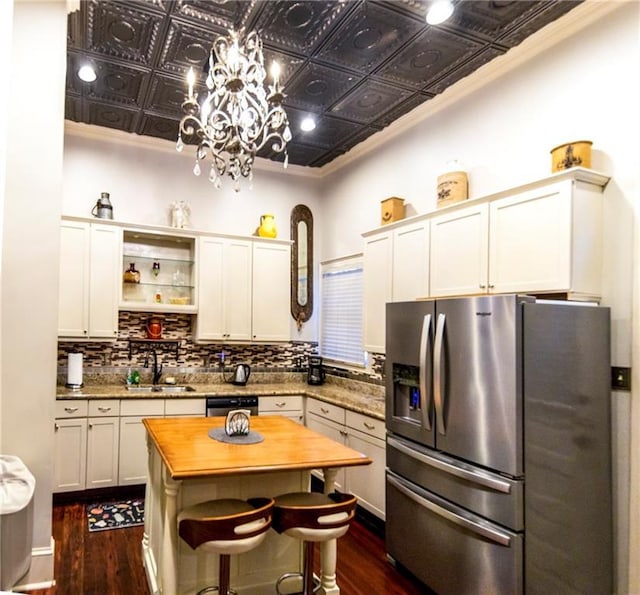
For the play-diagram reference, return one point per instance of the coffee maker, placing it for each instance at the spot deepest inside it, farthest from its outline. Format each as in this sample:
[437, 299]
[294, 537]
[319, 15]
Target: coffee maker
[315, 371]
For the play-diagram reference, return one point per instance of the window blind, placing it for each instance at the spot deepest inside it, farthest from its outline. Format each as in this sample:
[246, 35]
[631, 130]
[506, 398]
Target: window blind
[341, 295]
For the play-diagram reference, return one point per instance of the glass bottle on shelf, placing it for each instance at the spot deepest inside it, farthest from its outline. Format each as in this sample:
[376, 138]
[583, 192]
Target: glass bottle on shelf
[131, 275]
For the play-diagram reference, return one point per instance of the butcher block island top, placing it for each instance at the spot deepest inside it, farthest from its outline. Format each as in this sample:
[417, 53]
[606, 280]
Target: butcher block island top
[189, 452]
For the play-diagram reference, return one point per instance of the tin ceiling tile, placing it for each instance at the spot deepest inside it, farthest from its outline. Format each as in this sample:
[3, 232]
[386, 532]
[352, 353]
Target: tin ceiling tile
[219, 14]
[368, 101]
[112, 117]
[122, 32]
[186, 47]
[298, 26]
[465, 69]
[328, 133]
[369, 35]
[317, 87]
[159, 127]
[431, 54]
[166, 95]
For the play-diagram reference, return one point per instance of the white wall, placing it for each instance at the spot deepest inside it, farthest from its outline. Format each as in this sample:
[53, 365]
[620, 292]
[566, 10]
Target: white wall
[30, 246]
[585, 87]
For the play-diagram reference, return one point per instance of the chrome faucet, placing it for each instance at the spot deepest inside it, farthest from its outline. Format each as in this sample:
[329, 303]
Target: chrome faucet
[155, 370]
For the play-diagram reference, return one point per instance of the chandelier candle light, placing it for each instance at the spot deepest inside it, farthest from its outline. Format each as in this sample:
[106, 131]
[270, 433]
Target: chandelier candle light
[239, 115]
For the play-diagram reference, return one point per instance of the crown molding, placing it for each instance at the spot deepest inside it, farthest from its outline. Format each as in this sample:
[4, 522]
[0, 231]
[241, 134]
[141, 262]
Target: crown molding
[102, 134]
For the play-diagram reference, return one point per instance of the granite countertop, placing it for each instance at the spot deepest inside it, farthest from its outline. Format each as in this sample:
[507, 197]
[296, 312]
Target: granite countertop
[360, 397]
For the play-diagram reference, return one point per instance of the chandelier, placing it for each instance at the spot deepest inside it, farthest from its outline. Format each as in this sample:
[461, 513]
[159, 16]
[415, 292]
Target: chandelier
[239, 116]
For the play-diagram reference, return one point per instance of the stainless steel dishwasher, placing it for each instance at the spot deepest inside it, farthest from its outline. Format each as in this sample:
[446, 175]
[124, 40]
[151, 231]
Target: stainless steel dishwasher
[220, 406]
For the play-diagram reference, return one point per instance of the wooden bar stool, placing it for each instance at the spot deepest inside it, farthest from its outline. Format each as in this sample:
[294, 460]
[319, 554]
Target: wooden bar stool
[225, 527]
[312, 517]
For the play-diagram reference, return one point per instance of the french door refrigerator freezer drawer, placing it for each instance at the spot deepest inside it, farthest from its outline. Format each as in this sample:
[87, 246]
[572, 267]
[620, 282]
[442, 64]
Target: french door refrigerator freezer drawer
[485, 493]
[451, 550]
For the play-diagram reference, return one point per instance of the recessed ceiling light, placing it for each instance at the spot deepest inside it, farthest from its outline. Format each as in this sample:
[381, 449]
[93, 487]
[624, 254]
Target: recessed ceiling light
[439, 12]
[87, 74]
[308, 124]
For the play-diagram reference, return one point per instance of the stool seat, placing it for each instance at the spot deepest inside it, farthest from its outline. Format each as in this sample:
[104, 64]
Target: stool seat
[312, 518]
[225, 527]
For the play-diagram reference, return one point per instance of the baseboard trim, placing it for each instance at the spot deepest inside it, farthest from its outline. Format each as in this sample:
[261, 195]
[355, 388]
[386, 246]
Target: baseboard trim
[41, 572]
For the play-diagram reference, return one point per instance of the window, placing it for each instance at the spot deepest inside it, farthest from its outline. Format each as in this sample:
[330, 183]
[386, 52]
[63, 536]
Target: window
[341, 307]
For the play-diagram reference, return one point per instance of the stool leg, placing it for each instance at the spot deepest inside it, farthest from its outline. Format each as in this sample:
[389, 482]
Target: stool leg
[329, 558]
[224, 573]
[308, 568]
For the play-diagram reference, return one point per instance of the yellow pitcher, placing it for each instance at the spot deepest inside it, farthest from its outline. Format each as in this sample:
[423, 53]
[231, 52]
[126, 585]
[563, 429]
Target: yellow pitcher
[267, 227]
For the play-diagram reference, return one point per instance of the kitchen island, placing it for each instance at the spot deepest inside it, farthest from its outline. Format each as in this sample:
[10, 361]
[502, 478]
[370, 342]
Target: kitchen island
[187, 466]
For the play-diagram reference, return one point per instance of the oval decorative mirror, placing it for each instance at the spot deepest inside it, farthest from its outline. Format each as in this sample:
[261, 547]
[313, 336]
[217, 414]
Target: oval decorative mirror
[301, 264]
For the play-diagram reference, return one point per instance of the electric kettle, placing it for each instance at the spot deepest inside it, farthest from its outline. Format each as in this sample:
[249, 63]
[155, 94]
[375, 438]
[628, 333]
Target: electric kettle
[241, 374]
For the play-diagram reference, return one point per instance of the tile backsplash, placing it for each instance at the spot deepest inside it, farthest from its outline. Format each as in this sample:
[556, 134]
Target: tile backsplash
[99, 356]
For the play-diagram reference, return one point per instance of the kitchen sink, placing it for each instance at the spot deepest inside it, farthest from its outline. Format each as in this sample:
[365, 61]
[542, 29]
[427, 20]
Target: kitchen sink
[165, 388]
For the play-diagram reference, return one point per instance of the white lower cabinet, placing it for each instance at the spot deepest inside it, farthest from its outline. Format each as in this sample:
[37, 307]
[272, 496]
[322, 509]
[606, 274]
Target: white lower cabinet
[362, 433]
[103, 430]
[328, 420]
[290, 406]
[70, 446]
[132, 462]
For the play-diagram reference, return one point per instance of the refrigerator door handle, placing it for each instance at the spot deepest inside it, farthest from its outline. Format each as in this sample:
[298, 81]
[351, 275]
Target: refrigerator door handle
[424, 354]
[488, 532]
[493, 483]
[439, 374]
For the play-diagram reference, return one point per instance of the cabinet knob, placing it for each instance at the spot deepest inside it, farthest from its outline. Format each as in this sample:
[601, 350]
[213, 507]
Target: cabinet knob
[482, 286]
[280, 404]
[491, 286]
[56, 427]
[324, 410]
[91, 426]
[85, 331]
[369, 426]
[71, 409]
[104, 409]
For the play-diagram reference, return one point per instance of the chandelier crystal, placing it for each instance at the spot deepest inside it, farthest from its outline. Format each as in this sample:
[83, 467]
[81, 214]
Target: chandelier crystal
[239, 116]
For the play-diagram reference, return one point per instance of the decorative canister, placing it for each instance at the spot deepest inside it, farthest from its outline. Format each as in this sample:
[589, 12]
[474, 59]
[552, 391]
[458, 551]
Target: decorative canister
[452, 187]
[131, 275]
[391, 209]
[575, 154]
[267, 227]
[154, 327]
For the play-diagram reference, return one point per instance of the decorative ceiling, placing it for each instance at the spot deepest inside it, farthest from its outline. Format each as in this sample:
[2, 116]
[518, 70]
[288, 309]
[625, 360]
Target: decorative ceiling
[355, 65]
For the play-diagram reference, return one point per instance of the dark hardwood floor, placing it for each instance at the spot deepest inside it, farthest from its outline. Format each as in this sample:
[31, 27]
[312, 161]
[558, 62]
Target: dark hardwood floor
[110, 562]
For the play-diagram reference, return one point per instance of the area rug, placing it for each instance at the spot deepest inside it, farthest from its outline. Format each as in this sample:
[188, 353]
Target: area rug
[115, 515]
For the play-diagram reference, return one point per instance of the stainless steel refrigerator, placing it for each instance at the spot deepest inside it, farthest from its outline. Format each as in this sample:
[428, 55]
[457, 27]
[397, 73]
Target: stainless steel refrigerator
[499, 445]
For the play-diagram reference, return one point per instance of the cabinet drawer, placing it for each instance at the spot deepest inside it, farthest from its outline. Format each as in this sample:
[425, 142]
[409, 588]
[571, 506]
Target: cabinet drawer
[71, 409]
[142, 407]
[185, 407]
[326, 410]
[366, 424]
[284, 403]
[104, 408]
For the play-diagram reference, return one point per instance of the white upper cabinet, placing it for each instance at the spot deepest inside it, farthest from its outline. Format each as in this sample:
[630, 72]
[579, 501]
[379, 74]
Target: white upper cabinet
[547, 240]
[89, 272]
[410, 269]
[377, 263]
[396, 269]
[271, 282]
[224, 289]
[459, 247]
